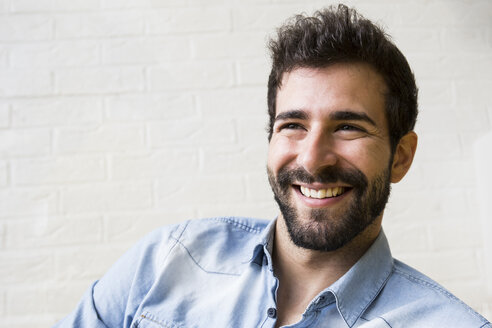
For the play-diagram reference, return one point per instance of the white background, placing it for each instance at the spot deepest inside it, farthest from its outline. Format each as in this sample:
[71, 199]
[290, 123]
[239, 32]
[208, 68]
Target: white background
[118, 116]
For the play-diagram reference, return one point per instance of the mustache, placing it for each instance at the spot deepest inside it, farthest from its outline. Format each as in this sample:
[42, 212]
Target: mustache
[331, 174]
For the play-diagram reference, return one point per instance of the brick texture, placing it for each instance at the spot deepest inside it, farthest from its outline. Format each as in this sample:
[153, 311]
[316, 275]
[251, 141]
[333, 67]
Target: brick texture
[119, 116]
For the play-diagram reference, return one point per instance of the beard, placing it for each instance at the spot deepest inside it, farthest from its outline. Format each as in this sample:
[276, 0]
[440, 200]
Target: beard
[330, 229]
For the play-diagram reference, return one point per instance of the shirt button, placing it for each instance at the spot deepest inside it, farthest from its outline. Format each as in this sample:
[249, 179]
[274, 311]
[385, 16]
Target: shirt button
[272, 313]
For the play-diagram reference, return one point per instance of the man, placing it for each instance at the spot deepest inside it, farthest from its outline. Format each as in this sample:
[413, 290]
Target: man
[343, 104]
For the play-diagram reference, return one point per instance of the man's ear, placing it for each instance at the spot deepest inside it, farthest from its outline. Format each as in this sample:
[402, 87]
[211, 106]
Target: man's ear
[404, 153]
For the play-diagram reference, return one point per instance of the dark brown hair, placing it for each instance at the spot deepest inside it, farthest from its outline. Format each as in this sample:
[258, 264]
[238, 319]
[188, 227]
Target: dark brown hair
[339, 34]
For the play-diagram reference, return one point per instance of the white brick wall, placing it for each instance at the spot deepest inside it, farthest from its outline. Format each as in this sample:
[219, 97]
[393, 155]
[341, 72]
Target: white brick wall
[118, 116]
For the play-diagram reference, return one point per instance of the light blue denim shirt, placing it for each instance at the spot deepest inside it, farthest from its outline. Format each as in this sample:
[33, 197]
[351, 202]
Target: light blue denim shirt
[218, 273]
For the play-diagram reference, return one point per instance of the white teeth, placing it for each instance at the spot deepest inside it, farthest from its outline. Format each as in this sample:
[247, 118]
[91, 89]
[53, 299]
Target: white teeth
[322, 193]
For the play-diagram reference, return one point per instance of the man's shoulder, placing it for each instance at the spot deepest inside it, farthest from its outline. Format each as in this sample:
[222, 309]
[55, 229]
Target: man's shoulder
[421, 285]
[420, 300]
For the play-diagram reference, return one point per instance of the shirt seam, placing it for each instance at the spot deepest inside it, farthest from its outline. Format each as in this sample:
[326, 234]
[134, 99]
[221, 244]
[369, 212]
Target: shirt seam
[238, 224]
[378, 317]
[202, 268]
[94, 306]
[264, 321]
[181, 226]
[424, 282]
[386, 322]
[150, 317]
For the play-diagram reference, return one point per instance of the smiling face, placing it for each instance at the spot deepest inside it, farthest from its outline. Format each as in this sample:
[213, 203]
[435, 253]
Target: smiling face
[329, 159]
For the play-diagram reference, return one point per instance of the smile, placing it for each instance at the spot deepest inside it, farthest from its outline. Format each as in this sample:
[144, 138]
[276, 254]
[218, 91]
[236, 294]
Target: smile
[322, 193]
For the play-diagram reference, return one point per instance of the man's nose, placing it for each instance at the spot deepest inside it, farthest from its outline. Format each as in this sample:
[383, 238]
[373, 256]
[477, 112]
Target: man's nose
[317, 152]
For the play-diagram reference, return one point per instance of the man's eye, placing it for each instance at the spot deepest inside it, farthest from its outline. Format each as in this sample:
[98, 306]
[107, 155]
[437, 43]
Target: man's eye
[290, 126]
[348, 127]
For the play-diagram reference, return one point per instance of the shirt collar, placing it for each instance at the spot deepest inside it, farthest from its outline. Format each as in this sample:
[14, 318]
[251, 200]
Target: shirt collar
[264, 247]
[357, 288]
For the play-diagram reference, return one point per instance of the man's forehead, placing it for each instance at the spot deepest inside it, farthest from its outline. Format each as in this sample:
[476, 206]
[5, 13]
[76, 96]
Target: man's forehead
[342, 87]
[349, 69]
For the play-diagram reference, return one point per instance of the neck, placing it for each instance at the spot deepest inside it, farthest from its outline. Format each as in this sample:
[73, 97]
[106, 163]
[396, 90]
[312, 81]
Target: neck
[304, 273]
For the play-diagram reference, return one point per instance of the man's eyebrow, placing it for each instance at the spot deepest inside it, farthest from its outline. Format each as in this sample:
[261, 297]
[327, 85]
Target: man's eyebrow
[292, 114]
[351, 116]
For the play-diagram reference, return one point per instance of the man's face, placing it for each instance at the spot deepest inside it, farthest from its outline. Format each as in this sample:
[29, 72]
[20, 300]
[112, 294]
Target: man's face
[329, 158]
